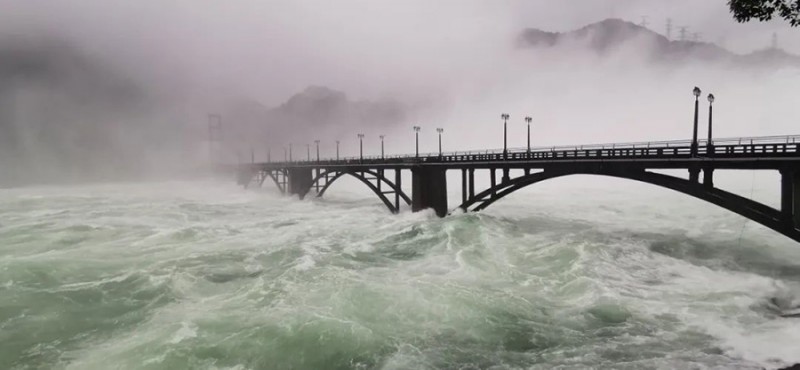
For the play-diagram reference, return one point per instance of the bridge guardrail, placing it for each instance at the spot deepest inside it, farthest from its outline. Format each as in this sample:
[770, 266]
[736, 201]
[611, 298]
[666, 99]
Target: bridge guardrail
[668, 148]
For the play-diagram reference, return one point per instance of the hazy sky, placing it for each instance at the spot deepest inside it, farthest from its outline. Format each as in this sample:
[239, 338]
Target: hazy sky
[457, 57]
[273, 48]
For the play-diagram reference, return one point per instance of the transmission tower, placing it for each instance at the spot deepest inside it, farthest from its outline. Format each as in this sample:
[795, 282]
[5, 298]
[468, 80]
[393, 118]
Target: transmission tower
[683, 33]
[644, 21]
[696, 36]
[669, 28]
[214, 138]
[774, 40]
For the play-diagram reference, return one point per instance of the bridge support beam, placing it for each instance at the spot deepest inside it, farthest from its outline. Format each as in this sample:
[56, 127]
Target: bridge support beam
[471, 183]
[300, 181]
[492, 181]
[708, 177]
[398, 177]
[694, 175]
[429, 190]
[464, 183]
[790, 198]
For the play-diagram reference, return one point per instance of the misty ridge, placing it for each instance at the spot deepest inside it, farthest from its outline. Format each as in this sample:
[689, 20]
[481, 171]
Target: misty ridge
[610, 35]
[316, 112]
[67, 115]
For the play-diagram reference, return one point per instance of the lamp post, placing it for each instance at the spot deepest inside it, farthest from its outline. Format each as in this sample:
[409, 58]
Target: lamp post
[284, 154]
[440, 130]
[269, 155]
[416, 134]
[382, 136]
[290, 152]
[696, 93]
[710, 144]
[505, 118]
[308, 152]
[337, 150]
[317, 142]
[361, 146]
[252, 155]
[528, 120]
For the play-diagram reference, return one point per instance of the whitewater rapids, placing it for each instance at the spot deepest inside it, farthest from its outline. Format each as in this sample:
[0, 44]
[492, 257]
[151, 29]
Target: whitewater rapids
[205, 275]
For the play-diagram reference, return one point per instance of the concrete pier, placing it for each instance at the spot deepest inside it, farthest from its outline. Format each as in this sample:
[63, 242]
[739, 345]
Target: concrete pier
[429, 190]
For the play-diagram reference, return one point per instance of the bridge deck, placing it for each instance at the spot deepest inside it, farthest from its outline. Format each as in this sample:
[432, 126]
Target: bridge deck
[737, 153]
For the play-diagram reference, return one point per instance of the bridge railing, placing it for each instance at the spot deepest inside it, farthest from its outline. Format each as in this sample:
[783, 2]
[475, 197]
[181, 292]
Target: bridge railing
[651, 149]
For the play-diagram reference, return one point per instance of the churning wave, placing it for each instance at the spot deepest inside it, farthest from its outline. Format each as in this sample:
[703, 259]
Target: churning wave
[179, 275]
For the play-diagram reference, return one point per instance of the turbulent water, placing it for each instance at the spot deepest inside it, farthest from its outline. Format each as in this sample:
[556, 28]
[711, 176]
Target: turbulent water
[209, 276]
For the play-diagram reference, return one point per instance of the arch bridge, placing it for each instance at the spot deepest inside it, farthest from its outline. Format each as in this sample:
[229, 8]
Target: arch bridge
[632, 161]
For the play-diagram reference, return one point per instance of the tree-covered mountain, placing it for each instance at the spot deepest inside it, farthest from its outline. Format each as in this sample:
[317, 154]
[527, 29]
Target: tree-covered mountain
[612, 35]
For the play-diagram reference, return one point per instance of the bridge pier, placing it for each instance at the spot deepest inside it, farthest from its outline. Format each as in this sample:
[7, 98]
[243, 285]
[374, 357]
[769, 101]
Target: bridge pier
[300, 181]
[429, 190]
[790, 198]
[244, 175]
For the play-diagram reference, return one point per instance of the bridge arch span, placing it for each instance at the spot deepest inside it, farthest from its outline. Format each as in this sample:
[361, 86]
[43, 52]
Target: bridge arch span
[374, 180]
[758, 212]
[277, 176]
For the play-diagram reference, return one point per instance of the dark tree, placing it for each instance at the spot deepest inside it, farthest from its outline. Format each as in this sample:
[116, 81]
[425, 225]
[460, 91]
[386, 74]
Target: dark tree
[764, 10]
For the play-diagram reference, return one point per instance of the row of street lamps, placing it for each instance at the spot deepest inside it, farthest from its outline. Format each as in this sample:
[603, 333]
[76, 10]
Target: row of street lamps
[505, 117]
[416, 129]
[709, 144]
[288, 154]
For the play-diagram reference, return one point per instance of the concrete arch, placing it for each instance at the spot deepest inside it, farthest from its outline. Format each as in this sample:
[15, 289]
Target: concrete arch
[360, 175]
[758, 212]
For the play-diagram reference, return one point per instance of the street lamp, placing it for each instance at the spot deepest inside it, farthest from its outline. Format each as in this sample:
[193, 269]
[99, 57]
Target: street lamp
[308, 152]
[284, 154]
[269, 155]
[416, 133]
[505, 118]
[361, 146]
[710, 145]
[317, 142]
[290, 152]
[382, 136]
[337, 150]
[528, 120]
[440, 130]
[696, 93]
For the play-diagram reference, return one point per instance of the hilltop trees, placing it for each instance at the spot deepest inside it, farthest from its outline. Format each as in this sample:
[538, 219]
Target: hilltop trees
[764, 10]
